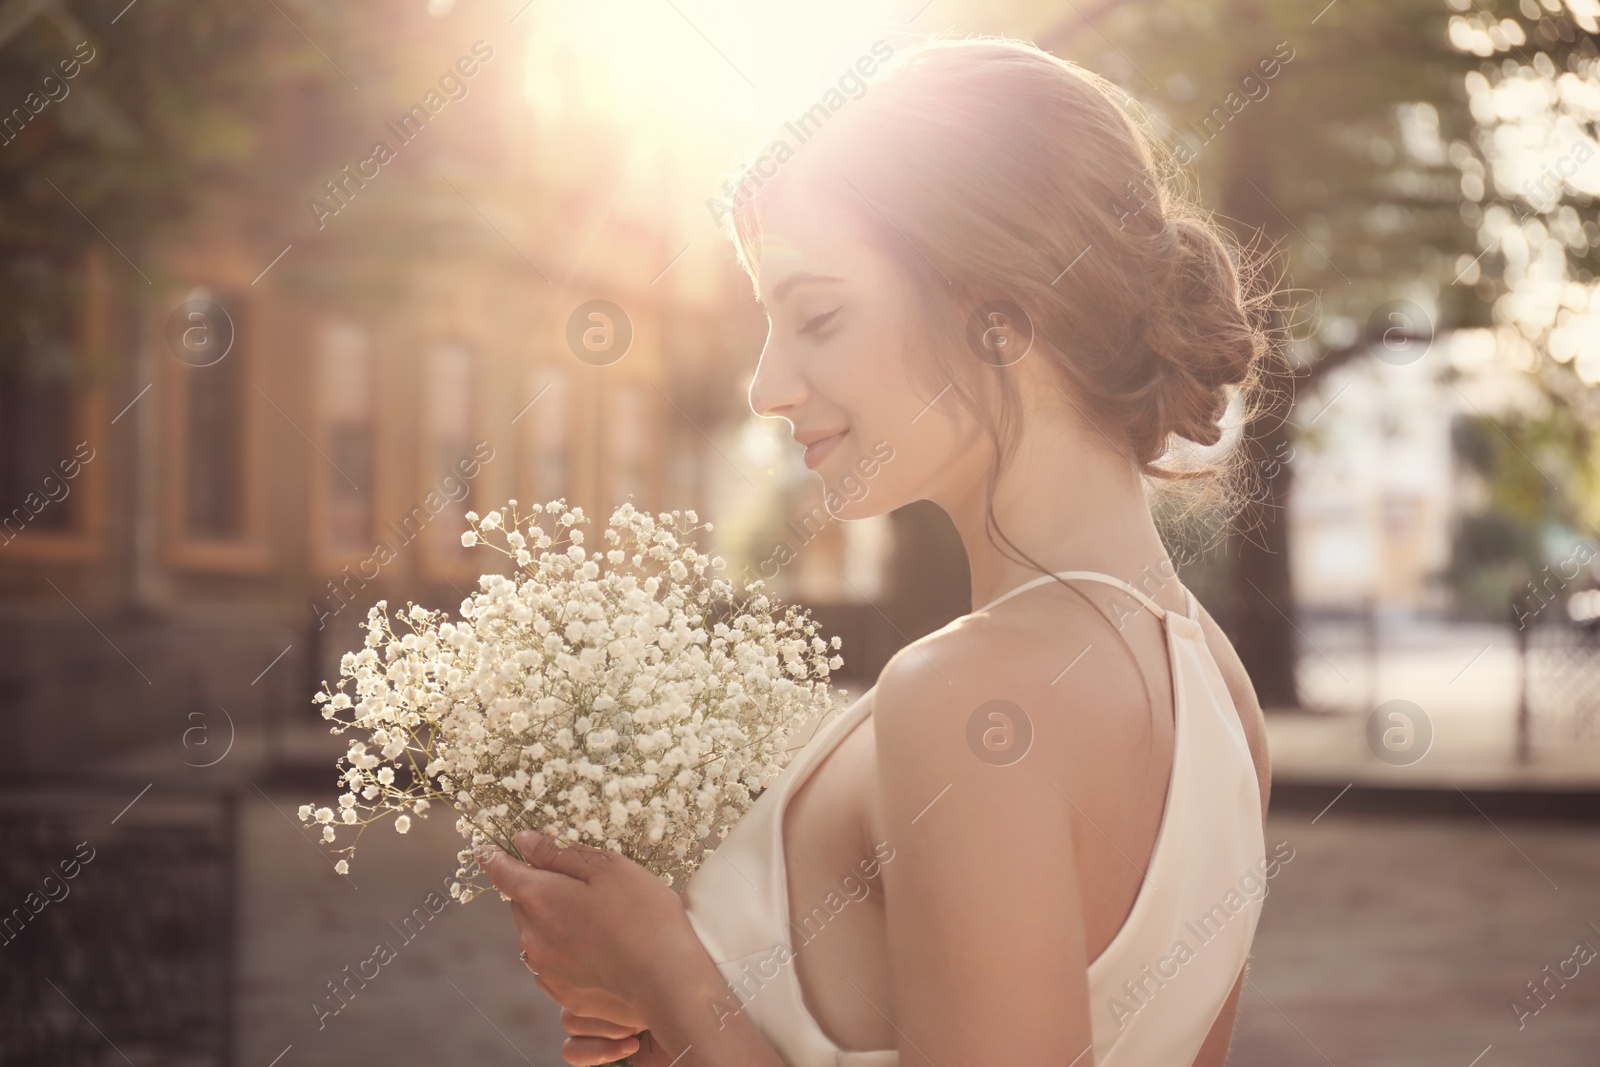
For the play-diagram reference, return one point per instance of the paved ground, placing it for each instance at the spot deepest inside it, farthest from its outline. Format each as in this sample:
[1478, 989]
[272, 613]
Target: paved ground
[1393, 941]
[1385, 941]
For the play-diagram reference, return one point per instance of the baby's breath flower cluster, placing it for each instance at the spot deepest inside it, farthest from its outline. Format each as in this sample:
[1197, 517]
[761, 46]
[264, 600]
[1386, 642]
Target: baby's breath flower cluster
[622, 698]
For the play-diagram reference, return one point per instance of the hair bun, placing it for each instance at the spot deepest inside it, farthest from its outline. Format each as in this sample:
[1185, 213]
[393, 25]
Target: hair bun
[1202, 330]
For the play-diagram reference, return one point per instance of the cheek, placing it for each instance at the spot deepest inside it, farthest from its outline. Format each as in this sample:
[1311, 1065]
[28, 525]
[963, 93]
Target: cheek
[876, 384]
[896, 405]
[906, 450]
[932, 451]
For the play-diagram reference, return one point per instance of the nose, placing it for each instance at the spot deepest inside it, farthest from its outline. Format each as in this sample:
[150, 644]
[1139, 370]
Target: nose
[778, 388]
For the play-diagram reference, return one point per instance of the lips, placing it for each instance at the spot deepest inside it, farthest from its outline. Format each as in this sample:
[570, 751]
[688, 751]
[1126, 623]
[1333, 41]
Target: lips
[820, 448]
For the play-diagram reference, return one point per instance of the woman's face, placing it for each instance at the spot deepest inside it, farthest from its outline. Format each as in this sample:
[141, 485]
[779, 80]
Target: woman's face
[839, 366]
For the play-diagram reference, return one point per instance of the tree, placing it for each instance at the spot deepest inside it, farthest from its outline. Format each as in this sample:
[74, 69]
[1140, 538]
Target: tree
[1530, 174]
[1327, 135]
[120, 116]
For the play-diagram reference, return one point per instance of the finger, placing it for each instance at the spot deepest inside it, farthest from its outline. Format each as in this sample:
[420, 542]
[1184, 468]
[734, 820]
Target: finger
[519, 880]
[527, 929]
[545, 853]
[589, 1026]
[528, 938]
[595, 1051]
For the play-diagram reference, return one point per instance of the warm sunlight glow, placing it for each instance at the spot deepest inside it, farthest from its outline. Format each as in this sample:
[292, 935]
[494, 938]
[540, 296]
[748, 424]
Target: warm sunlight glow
[660, 65]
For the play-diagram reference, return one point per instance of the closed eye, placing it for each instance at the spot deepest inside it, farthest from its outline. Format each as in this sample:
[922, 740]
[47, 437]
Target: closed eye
[816, 322]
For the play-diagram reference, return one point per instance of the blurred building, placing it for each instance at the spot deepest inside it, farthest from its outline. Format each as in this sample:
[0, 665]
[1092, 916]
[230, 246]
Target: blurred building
[244, 452]
[1375, 489]
[279, 413]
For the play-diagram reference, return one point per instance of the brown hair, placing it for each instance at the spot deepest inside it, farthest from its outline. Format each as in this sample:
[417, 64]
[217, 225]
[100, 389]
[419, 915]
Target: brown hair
[988, 169]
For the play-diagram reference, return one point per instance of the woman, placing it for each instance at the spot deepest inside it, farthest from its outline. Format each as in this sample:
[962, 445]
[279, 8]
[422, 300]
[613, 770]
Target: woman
[1038, 838]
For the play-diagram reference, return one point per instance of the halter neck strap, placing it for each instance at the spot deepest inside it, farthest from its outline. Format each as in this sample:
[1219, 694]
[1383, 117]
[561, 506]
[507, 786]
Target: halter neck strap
[1192, 613]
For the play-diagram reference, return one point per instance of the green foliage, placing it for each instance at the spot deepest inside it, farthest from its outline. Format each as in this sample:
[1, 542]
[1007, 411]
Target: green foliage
[1337, 155]
[1362, 161]
[1539, 479]
[171, 102]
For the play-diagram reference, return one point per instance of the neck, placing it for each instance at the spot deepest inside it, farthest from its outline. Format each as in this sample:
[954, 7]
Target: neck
[1067, 502]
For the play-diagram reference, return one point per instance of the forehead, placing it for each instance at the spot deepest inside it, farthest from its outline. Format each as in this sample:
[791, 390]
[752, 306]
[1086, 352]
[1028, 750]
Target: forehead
[807, 235]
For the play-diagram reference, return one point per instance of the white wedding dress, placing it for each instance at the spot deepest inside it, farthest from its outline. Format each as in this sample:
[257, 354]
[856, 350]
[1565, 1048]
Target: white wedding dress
[1154, 991]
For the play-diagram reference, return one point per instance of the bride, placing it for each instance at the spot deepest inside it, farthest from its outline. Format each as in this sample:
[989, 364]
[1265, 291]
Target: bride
[1039, 836]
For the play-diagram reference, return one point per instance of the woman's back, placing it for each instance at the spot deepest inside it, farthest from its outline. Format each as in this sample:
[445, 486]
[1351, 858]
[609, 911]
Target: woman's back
[1073, 718]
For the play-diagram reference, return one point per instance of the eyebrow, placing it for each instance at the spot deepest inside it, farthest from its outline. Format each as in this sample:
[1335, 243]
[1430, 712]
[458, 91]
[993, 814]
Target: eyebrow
[793, 280]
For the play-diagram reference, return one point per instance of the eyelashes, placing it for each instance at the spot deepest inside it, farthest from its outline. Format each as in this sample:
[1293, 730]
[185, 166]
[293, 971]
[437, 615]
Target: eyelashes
[816, 322]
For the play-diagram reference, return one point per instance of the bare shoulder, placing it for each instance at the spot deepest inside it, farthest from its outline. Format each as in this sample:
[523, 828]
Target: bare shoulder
[1023, 656]
[1051, 668]
[1052, 653]
[983, 910]
[1243, 692]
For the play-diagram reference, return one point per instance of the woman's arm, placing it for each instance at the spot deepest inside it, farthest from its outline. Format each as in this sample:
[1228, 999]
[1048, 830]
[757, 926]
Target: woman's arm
[700, 1021]
[984, 917]
[613, 946]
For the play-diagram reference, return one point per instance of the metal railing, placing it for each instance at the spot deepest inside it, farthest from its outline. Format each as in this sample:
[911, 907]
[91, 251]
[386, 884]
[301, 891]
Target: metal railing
[1541, 681]
[118, 938]
[1560, 687]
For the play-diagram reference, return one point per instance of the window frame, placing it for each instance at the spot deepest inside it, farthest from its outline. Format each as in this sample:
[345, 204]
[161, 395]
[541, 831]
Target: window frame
[458, 564]
[250, 553]
[328, 558]
[85, 544]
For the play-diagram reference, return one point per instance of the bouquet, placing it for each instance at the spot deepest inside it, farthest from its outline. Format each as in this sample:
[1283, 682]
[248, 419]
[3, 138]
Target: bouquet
[623, 698]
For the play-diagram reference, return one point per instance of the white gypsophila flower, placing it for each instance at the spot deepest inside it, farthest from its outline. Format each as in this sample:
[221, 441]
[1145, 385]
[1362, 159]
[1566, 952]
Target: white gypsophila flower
[622, 698]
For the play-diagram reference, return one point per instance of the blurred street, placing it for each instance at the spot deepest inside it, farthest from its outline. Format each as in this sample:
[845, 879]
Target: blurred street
[1387, 941]
[302, 925]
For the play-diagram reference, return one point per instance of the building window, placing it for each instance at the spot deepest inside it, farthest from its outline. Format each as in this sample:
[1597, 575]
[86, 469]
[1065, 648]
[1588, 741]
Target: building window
[36, 423]
[546, 426]
[344, 410]
[48, 402]
[628, 433]
[214, 460]
[213, 489]
[451, 458]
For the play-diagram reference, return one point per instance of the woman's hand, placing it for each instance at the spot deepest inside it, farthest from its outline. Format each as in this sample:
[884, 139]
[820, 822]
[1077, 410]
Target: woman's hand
[603, 937]
[592, 1042]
